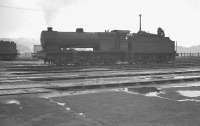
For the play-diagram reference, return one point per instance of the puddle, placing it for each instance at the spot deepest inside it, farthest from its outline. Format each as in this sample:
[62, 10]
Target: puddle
[82, 114]
[13, 101]
[61, 104]
[186, 76]
[189, 93]
[179, 85]
[179, 77]
[196, 84]
[126, 90]
[144, 90]
[156, 94]
[68, 109]
[192, 100]
[152, 94]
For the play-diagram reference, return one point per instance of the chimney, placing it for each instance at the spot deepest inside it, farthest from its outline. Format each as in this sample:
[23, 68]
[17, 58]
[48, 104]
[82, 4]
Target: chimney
[49, 29]
[79, 30]
[140, 22]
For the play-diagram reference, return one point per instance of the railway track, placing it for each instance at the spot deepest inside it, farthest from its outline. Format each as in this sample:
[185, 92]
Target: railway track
[46, 79]
[54, 76]
[14, 89]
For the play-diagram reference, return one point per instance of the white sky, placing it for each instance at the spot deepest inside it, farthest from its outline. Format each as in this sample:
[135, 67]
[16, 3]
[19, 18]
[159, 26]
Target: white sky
[180, 19]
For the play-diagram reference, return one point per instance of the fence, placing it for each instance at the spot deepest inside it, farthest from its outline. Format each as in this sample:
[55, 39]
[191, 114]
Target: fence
[189, 54]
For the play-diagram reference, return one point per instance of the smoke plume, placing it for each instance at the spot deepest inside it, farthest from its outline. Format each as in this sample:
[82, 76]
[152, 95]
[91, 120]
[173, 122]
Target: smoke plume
[52, 7]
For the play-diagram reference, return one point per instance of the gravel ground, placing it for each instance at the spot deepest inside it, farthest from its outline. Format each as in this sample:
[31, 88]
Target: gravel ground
[33, 111]
[106, 108]
[125, 109]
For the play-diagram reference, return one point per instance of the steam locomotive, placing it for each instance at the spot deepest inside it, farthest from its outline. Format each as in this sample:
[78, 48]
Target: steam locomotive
[107, 47]
[8, 50]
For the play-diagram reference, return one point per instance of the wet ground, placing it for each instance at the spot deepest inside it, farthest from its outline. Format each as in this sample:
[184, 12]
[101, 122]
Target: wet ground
[33, 94]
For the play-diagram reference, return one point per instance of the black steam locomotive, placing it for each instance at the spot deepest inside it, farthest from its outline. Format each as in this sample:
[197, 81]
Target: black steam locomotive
[8, 50]
[106, 47]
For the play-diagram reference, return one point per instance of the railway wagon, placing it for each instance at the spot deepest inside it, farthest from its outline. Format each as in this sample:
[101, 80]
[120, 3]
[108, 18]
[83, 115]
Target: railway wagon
[106, 47]
[8, 50]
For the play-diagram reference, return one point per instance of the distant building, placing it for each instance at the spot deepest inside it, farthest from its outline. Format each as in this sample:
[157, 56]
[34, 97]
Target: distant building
[25, 55]
[36, 51]
[37, 48]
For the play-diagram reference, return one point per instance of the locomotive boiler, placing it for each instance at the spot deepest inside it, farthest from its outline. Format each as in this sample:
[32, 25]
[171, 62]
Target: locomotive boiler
[106, 47]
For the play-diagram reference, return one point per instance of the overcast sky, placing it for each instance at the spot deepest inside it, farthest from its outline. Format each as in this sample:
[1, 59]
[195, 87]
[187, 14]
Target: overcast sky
[180, 19]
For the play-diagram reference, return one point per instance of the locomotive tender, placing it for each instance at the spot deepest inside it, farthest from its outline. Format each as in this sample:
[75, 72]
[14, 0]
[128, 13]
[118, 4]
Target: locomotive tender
[8, 50]
[107, 47]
